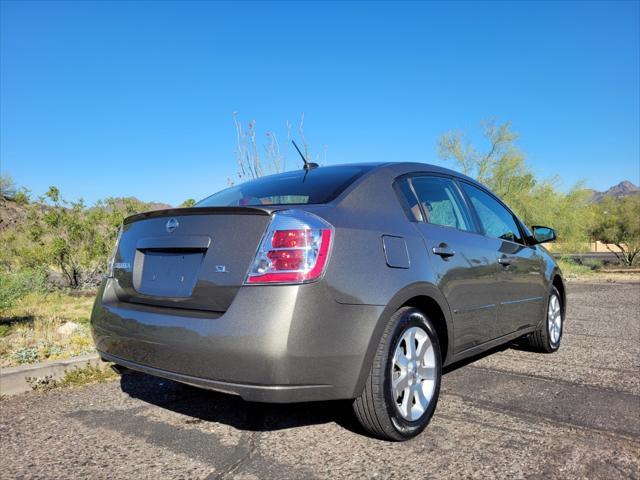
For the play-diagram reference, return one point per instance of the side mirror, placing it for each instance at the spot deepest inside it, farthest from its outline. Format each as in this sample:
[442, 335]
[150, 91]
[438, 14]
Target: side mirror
[542, 234]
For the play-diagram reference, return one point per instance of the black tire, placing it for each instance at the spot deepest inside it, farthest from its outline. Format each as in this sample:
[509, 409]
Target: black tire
[376, 408]
[541, 340]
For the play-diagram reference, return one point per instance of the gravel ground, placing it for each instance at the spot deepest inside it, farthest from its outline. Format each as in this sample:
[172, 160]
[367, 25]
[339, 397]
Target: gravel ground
[513, 414]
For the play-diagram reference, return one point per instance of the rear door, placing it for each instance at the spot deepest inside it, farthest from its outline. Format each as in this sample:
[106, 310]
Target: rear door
[463, 261]
[521, 267]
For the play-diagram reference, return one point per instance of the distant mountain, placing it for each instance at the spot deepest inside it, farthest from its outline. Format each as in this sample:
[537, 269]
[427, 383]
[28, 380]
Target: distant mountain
[623, 189]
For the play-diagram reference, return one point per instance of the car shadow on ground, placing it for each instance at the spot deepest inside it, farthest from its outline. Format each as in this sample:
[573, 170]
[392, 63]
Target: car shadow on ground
[208, 406]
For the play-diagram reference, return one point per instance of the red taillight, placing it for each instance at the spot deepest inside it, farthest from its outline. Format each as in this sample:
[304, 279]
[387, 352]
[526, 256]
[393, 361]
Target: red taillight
[292, 255]
[287, 259]
[290, 238]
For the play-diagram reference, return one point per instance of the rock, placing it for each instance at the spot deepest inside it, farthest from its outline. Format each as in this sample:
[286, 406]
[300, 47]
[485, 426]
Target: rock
[68, 328]
[56, 280]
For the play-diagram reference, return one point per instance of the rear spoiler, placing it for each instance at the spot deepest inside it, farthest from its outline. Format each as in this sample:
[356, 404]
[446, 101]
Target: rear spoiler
[174, 212]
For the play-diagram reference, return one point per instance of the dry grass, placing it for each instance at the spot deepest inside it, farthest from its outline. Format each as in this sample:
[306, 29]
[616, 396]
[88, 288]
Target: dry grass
[605, 276]
[74, 377]
[86, 376]
[594, 271]
[573, 270]
[29, 329]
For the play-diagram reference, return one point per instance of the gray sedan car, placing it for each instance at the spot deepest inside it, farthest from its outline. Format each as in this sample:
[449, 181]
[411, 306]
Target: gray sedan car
[340, 282]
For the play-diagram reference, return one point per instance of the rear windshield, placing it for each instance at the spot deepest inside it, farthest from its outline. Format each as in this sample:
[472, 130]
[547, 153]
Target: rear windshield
[320, 185]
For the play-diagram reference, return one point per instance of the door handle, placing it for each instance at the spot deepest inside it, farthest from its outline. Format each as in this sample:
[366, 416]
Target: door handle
[504, 261]
[443, 251]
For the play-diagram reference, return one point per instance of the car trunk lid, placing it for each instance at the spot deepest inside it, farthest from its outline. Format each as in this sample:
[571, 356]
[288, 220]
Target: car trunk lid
[194, 258]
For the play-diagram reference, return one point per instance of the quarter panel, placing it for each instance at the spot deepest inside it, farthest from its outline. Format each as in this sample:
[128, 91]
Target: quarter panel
[359, 272]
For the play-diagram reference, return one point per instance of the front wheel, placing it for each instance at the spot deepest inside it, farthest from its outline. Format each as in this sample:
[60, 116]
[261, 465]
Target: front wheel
[549, 333]
[401, 391]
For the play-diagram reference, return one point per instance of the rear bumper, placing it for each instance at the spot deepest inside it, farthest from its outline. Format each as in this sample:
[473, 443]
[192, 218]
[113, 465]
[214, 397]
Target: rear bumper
[274, 343]
[255, 393]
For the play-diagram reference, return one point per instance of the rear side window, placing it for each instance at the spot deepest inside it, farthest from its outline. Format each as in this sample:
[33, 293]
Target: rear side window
[320, 185]
[441, 202]
[408, 200]
[497, 221]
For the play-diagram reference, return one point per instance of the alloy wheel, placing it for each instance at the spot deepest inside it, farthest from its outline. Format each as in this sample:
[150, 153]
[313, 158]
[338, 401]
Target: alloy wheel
[554, 320]
[413, 373]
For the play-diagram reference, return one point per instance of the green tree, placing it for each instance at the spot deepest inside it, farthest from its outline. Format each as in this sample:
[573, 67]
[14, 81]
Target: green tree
[8, 187]
[188, 203]
[617, 222]
[502, 167]
[67, 236]
[22, 196]
[10, 191]
[480, 165]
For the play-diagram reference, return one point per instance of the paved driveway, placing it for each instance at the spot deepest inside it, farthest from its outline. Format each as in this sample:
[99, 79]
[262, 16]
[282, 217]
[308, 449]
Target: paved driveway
[512, 414]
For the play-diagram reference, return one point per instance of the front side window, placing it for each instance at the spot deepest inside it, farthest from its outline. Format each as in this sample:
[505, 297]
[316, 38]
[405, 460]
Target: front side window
[441, 202]
[497, 221]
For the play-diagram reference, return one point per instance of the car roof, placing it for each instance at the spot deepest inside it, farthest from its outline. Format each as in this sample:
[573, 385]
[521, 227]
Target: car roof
[403, 168]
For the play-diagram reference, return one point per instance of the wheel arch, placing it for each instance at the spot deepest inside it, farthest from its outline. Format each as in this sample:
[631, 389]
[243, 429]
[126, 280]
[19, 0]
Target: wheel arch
[429, 306]
[558, 282]
[425, 297]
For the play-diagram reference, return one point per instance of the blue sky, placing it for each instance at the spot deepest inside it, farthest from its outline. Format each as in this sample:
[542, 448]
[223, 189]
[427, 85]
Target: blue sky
[111, 99]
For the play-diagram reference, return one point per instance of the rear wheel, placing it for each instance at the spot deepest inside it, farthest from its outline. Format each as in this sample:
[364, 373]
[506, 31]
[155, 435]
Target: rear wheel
[401, 391]
[549, 333]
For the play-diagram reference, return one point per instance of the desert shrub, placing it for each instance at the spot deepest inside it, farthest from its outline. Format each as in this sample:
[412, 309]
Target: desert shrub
[42, 384]
[22, 197]
[618, 223]
[571, 268]
[26, 355]
[73, 377]
[86, 375]
[14, 285]
[30, 329]
[67, 237]
[575, 267]
[593, 264]
[53, 351]
[82, 341]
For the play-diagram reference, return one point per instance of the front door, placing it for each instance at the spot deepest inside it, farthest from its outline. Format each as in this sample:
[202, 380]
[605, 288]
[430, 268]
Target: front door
[522, 295]
[463, 260]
